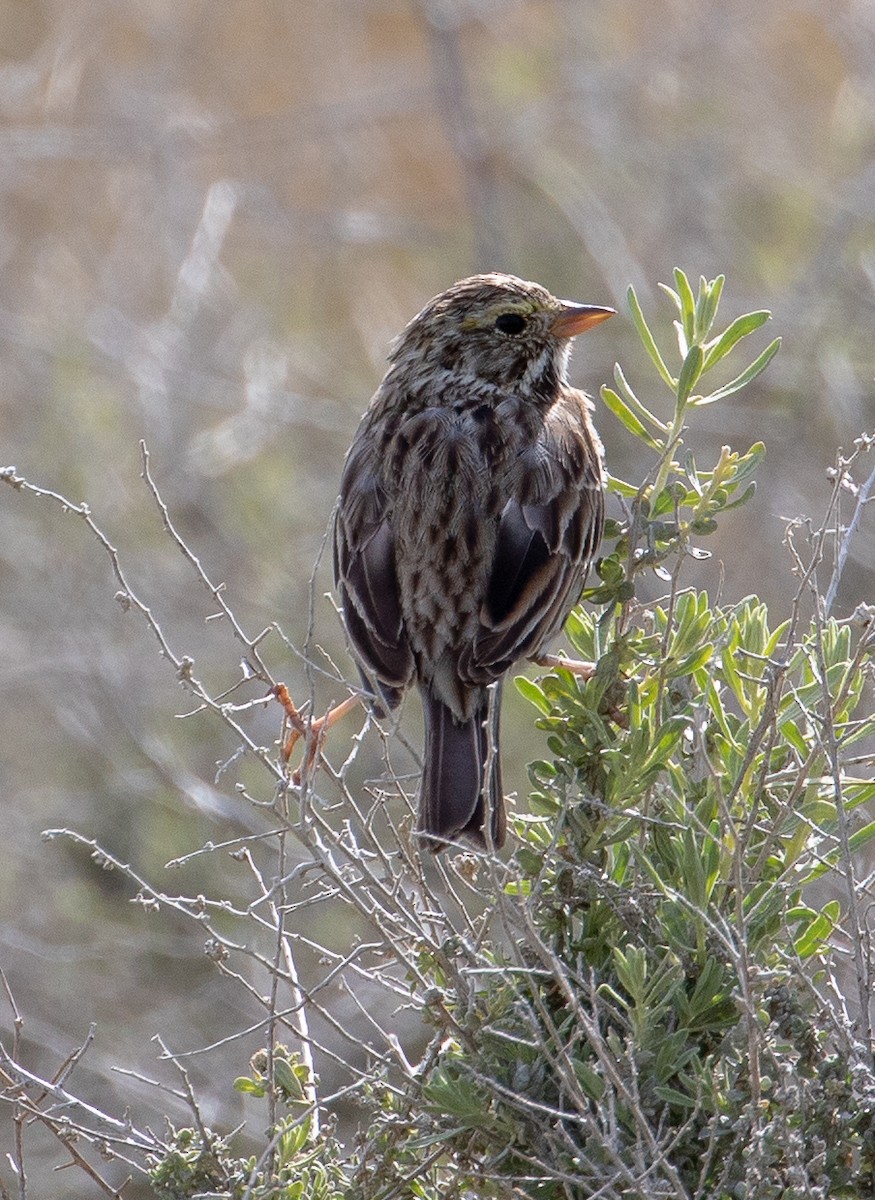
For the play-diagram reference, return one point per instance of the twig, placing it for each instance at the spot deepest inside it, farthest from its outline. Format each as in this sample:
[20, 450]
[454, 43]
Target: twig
[215, 590]
[207, 1138]
[182, 664]
[863, 497]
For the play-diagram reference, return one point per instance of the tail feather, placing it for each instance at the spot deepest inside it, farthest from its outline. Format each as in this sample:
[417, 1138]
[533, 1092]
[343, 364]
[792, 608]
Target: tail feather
[456, 756]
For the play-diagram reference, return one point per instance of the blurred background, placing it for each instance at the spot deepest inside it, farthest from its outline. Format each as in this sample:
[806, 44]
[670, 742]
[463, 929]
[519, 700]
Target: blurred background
[213, 218]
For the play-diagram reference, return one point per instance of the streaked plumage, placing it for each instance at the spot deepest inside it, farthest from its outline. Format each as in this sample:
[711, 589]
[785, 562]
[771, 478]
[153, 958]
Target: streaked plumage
[471, 505]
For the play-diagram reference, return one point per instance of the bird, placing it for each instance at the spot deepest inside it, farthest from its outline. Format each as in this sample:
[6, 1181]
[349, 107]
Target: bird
[471, 507]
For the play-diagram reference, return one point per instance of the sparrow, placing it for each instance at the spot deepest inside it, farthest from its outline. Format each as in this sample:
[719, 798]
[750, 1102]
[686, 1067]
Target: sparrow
[471, 507]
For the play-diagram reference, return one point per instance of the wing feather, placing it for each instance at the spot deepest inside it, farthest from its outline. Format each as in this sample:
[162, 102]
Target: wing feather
[364, 571]
[548, 533]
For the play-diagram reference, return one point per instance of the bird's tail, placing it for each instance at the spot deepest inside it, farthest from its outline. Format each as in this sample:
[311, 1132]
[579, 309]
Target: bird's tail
[457, 756]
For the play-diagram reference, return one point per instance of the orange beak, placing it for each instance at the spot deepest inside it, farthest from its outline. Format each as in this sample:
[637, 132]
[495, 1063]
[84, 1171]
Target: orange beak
[575, 318]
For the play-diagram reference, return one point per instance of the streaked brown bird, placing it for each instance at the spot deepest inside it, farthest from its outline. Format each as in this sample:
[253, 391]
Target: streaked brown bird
[471, 505]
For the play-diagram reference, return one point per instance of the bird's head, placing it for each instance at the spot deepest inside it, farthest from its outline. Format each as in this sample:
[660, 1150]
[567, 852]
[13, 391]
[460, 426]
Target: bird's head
[495, 329]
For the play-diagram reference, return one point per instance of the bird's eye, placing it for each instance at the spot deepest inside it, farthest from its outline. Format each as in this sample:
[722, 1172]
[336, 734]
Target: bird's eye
[511, 323]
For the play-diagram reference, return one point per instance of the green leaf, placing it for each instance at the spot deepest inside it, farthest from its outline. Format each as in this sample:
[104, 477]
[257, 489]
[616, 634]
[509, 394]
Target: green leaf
[620, 487]
[666, 738]
[709, 988]
[694, 872]
[643, 860]
[530, 691]
[670, 1095]
[709, 308]
[701, 301]
[862, 837]
[434, 1139]
[688, 305]
[688, 466]
[647, 338]
[816, 929]
[460, 1098]
[742, 499]
[741, 381]
[624, 414]
[631, 968]
[634, 403]
[749, 462]
[589, 1080]
[740, 328]
[690, 372]
[859, 793]
[250, 1087]
[672, 295]
[293, 1139]
[286, 1078]
[611, 570]
[790, 731]
[530, 862]
[692, 662]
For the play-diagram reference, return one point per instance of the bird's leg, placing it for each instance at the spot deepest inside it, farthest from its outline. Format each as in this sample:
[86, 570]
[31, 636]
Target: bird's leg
[313, 732]
[576, 666]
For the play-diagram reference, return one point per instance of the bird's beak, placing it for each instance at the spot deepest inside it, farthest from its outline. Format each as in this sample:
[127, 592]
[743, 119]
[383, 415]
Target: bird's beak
[575, 318]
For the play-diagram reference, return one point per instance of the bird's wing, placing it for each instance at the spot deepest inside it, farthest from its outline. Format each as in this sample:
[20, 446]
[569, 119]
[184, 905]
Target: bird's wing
[364, 571]
[548, 533]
